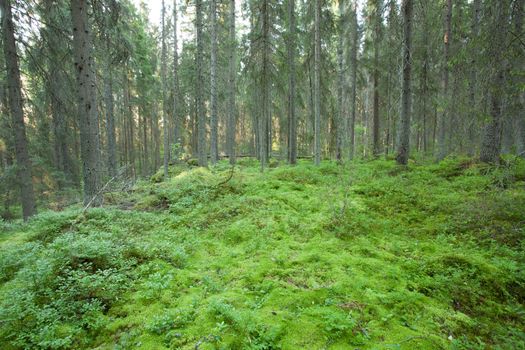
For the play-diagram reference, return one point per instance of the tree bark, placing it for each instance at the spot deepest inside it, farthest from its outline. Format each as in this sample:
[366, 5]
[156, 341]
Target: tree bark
[165, 94]
[87, 101]
[340, 87]
[292, 121]
[177, 123]
[201, 115]
[353, 91]
[375, 75]
[443, 121]
[214, 120]
[17, 113]
[232, 109]
[491, 145]
[406, 92]
[317, 81]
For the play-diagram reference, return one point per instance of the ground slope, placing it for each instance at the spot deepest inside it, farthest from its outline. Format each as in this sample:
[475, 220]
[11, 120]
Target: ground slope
[365, 256]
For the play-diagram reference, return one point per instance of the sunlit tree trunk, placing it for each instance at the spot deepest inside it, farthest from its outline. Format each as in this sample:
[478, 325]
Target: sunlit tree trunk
[201, 113]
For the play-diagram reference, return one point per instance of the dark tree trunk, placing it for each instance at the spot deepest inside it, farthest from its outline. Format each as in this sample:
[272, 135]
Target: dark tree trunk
[16, 108]
[406, 97]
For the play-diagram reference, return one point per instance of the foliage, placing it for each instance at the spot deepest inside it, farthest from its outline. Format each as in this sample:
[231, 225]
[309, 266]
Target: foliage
[368, 254]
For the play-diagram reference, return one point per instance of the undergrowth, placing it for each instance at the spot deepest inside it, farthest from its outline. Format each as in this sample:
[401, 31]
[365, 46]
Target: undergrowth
[363, 256]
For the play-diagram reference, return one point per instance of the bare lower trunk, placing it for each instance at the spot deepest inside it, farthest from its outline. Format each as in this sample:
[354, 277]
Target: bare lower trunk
[17, 113]
[201, 115]
[87, 103]
[292, 121]
[444, 119]
[406, 98]
[317, 81]
[214, 120]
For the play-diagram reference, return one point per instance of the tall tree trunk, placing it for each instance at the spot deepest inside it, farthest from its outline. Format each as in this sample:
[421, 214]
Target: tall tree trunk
[317, 81]
[375, 75]
[177, 123]
[264, 117]
[353, 67]
[340, 87]
[165, 94]
[231, 122]
[214, 120]
[17, 113]
[292, 121]
[87, 101]
[406, 98]
[201, 113]
[443, 121]
[473, 79]
[491, 145]
[110, 119]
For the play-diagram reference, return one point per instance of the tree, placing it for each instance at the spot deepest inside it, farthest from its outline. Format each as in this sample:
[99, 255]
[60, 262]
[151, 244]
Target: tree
[214, 120]
[199, 87]
[317, 82]
[176, 89]
[406, 97]
[16, 108]
[353, 87]
[491, 145]
[442, 151]
[340, 87]
[164, 93]
[231, 122]
[292, 118]
[87, 101]
[377, 6]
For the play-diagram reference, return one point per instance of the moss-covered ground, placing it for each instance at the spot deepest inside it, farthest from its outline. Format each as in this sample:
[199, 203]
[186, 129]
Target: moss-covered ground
[363, 256]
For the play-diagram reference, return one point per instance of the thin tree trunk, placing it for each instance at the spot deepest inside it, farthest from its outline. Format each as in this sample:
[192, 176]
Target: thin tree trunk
[165, 94]
[87, 100]
[292, 121]
[110, 120]
[177, 123]
[17, 113]
[443, 121]
[340, 87]
[232, 109]
[353, 91]
[375, 75]
[214, 120]
[201, 113]
[406, 98]
[317, 80]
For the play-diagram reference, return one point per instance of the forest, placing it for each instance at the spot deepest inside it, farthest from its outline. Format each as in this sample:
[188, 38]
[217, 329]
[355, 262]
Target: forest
[262, 174]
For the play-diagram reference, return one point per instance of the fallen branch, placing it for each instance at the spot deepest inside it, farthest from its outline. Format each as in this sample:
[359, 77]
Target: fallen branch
[119, 174]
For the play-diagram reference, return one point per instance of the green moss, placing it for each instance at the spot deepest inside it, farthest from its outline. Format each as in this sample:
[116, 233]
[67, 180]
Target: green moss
[368, 256]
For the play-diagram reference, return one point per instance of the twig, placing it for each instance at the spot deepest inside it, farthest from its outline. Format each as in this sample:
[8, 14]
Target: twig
[228, 179]
[121, 171]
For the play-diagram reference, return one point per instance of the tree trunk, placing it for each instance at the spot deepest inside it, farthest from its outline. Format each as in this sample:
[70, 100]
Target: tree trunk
[87, 101]
[443, 149]
[201, 113]
[232, 109]
[214, 120]
[406, 98]
[177, 123]
[340, 87]
[17, 113]
[317, 81]
[165, 94]
[292, 121]
[375, 75]
[110, 120]
[353, 91]
[491, 145]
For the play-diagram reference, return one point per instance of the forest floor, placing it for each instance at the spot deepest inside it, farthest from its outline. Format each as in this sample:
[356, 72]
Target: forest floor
[364, 256]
